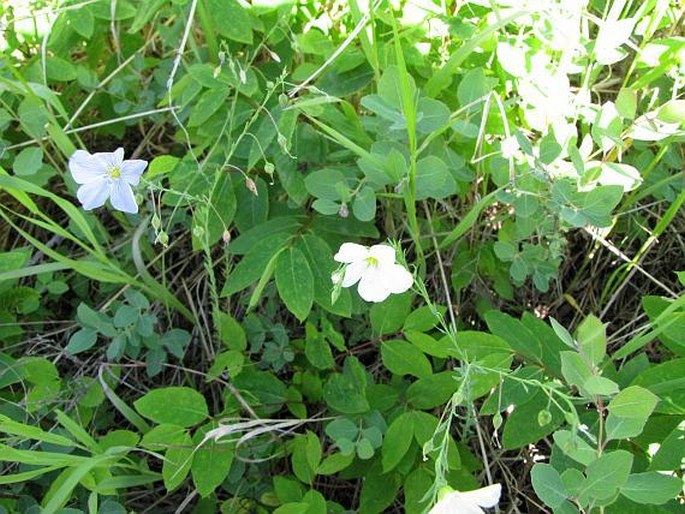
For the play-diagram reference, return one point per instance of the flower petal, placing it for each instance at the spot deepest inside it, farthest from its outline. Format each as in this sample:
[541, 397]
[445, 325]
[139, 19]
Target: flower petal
[454, 503]
[94, 193]
[86, 168]
[372, 286]
[131, 170]
[353, 272]
[111, 159]
[351, 252]
[397, 278]
[384, 254]
[121, 196]
[485, 497]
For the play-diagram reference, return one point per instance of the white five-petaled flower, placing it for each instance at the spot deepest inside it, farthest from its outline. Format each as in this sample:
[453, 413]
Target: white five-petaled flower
[374, 268]
[106, 175]
[468, 502]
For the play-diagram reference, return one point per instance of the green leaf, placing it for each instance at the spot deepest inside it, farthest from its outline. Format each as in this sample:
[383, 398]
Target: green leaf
[180, 406]
[626, 103]
[211, 464]
[672, 111]
[232, 20]
[178, 460]
[514, 332]
[327, 184]
[606, 475]
[423, 319]
[295, 282]
[316, 348]
[28, 161]
[344, 395]
[261, 389]
[252, 209]
[597, 205]
[548, 485]
[306, 456]
[651, 488]
[397, 441]
[253, 264]
[388, 317]
[602, 386]
[474, 85]
[549, 148]
[221, 209]
[364, 204]
[575, 369]
[82, 340]
[622, 428]
[432, 391]
[592, 339]
[230, 331]
[521, 427]
[334, 463]
[209, 102]
[433, 179]
[326, 207]
[403, 358]
[575, 447]
[633, 402]
[378, 490]
[320, 258]
[88, 316]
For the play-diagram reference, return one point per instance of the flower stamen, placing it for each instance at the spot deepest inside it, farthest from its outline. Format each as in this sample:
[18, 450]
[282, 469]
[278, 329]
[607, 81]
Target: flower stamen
[114, 172]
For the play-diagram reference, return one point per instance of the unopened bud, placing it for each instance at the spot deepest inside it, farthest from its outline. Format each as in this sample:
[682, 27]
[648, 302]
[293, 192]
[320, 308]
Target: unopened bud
[156, 222]
[250, 184]
[283, 100]
[274, 56]
[544, 417]
[283, 142]
[269, 168]
[226, 236]
[163, 238]
[497, 421]
[198, 231]
[343, 212]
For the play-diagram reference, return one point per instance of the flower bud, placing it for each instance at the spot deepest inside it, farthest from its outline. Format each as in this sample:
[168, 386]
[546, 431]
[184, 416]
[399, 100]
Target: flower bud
[163, 238]
[544, 417]
[343, 212]
[251, 186]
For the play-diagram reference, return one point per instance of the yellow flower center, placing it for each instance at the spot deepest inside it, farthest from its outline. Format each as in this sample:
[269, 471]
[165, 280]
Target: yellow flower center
[372, 261]
[114, 172]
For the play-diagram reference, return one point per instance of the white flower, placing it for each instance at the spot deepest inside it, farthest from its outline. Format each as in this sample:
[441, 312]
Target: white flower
[374, 268]
[106, 175]
[509, 147]
[469, 502]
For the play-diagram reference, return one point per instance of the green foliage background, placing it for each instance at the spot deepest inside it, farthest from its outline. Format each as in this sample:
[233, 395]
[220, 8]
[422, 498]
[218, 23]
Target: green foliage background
[525, 158]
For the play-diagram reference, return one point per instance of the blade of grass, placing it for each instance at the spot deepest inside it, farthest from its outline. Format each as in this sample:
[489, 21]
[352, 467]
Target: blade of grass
[468, 220]
[441, 78]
